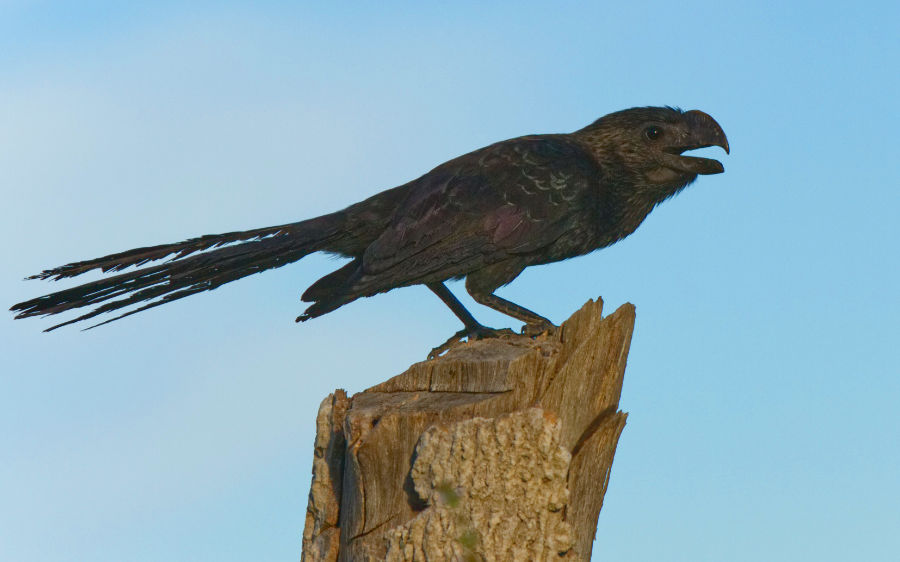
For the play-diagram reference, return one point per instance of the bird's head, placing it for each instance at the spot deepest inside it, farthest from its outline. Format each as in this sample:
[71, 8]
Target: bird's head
[650, 142]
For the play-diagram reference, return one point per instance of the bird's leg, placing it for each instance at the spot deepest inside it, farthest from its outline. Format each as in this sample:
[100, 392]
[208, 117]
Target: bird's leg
[457, 307]
[535, 324]
[473, 330]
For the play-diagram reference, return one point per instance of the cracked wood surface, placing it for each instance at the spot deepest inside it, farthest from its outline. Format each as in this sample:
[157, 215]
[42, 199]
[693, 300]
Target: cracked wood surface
[530, 402]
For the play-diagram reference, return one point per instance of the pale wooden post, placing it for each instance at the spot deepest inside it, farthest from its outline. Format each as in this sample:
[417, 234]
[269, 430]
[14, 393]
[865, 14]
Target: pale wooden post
[499, 450]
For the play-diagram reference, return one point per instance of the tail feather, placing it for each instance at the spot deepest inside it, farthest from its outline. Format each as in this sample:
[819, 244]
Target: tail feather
[141, 256]
[187, 273]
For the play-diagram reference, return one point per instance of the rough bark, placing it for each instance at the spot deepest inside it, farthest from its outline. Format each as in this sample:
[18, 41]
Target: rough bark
[500, 449]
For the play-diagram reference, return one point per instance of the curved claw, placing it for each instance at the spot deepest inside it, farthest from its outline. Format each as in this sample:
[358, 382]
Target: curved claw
[451, 341]
[534, 330]
[478, 333]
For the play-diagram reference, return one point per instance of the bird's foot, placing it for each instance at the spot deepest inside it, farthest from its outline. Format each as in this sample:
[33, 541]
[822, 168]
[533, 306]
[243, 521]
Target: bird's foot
[538, 328]
[478, 333]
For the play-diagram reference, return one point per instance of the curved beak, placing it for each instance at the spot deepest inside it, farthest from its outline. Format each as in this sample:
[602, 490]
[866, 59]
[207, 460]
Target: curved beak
[704, 132]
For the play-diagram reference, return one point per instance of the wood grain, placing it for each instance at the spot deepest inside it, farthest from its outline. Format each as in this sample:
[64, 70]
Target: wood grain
[500, 449]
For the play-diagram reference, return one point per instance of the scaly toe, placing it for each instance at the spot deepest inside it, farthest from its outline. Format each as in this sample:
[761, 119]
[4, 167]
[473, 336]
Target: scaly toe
[451, 341]
[534, 330]
[479, 333]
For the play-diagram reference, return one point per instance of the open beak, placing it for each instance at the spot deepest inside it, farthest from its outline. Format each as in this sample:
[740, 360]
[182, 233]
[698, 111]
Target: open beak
[704, 132]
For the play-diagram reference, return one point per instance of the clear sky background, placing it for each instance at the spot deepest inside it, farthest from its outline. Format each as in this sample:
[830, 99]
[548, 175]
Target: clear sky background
[762, 384]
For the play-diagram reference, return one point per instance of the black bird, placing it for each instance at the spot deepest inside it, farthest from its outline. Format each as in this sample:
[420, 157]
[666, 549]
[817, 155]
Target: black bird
[485, 216]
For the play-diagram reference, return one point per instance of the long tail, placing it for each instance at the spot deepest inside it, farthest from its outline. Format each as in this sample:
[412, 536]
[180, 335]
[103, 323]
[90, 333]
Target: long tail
[199, 264]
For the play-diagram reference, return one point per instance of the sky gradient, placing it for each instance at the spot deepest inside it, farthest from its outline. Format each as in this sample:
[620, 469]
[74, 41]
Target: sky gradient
[762, 384]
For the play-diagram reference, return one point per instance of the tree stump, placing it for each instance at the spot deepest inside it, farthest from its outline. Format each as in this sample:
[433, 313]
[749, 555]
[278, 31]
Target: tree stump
[500, 449]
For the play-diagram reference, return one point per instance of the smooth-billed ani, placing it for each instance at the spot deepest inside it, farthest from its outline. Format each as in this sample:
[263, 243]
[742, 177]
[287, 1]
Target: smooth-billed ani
[484, 216]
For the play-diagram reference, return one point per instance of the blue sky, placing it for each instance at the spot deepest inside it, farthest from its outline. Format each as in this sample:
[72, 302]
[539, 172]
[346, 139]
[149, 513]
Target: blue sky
[763, 380]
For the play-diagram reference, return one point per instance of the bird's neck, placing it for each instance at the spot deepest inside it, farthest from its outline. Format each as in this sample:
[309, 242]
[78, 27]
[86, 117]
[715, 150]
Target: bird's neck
[628, 198]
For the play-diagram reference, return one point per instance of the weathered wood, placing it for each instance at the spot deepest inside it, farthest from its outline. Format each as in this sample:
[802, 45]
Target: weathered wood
[500, 449]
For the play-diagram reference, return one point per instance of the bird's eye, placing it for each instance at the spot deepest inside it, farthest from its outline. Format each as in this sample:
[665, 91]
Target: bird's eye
[653, 133]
